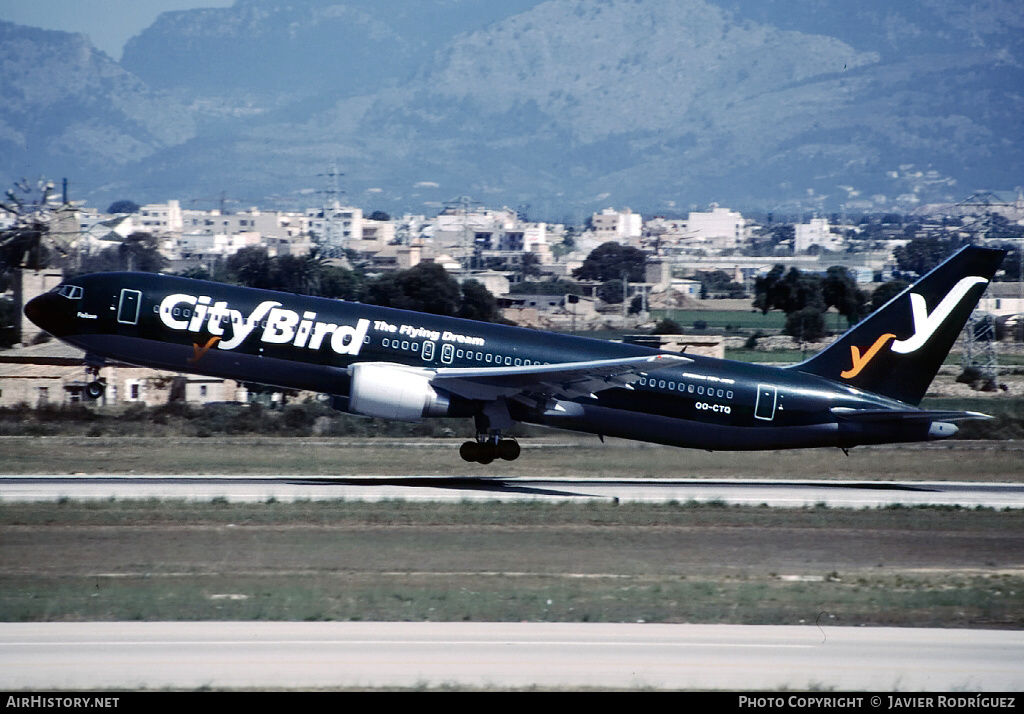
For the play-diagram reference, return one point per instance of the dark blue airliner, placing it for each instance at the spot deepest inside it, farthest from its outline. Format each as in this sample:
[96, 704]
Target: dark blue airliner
[380, 362]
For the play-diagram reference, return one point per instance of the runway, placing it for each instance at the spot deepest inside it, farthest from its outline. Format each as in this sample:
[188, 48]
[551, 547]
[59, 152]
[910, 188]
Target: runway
[254, 489]
[390, 655]
[294, 655]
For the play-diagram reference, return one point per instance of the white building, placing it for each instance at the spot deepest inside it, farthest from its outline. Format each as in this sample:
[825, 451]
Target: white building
[375, 236]
[464, 232]
[413, 229]
[618, 226]
[160, 218]
[718, 229]
[272, 224]
[336, 226]
[457, 221]
[222, 244]
[1003, 299]
[817, 232]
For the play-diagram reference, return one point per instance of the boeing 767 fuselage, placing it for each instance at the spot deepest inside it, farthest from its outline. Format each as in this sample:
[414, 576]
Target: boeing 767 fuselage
[864, 388]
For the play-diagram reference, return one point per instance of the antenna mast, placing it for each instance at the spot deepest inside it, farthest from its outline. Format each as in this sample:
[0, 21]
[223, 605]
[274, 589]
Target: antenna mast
[331, 240]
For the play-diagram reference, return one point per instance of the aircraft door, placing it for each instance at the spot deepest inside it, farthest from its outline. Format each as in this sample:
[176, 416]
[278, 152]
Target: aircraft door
[447, 353]
[428, 350]
[128, 307]
[766, 398]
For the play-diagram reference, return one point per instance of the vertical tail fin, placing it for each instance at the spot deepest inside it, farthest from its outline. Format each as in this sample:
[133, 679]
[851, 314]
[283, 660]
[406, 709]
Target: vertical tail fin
[897, 350]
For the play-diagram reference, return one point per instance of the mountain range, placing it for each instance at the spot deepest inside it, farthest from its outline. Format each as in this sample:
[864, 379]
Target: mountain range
[565, 106]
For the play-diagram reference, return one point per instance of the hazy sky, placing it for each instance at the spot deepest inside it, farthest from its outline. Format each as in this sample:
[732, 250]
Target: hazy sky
[108, 23]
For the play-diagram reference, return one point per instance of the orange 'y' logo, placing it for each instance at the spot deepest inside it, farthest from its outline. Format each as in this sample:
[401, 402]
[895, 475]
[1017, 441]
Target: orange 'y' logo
[860, 361]
[200, 351]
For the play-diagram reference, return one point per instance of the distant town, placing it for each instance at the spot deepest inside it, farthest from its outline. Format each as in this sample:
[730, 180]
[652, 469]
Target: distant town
[621, 271]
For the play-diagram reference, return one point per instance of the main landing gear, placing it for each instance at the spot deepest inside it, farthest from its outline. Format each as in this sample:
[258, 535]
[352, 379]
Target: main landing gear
[489, 447]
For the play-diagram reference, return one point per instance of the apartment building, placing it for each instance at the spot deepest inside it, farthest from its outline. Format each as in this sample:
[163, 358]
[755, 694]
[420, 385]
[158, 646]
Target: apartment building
[160, 217]
[816, 232]
[619, 226]
[336, 227]
[54, 373]
[718, 229]
[269, 224]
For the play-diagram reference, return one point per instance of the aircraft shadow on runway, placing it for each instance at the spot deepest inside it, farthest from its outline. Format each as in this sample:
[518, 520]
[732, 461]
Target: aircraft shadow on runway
[457, 483]
[498, 485]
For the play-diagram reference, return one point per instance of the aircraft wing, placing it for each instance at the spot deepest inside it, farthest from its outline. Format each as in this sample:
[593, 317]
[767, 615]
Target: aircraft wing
[876, 415]
[566, 380]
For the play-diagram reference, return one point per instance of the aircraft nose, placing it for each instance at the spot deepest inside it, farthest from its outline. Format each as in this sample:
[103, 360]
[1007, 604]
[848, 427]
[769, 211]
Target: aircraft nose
[50, 312]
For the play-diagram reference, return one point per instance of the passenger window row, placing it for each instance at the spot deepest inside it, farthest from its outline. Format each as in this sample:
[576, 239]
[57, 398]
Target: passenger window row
[687, 387]
[448, 353]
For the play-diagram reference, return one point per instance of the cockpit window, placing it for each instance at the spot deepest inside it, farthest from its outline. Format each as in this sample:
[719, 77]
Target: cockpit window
[71, 292]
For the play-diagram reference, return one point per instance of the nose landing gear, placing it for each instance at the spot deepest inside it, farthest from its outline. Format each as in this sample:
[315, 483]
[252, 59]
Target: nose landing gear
[95, 389]
[96, 385]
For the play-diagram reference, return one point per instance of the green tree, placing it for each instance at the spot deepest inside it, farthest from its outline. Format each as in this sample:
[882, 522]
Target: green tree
[138, 252]
[141, 252]
[612, 261]
[799, 295]
[426, 287]
[840, 291]
[251, 267]
[719, 283]
[477, 302]
[298, 274]
[922, 254]
[667, 326]
[789, 292]
[886, 292]
[806, 325]
[337, 282]
[123, 206]
[528, 267]
[636, 305]
[766, 288]
[610, 292]
[567, 244]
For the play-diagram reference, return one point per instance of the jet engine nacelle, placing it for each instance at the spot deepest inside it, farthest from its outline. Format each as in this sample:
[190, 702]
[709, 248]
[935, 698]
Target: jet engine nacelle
[389, 393]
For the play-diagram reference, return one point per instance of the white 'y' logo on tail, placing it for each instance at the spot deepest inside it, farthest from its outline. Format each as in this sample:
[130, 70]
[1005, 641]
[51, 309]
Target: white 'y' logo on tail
[925, 325]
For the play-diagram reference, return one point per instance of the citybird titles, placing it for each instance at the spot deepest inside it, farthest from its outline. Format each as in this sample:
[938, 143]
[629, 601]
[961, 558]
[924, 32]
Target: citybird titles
[279, 325]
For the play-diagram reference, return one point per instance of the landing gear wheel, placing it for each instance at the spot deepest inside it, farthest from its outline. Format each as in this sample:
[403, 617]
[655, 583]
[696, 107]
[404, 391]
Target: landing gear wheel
[484, 452]
[96, 385]
[508, 449]
[480, 452]
[469, 450]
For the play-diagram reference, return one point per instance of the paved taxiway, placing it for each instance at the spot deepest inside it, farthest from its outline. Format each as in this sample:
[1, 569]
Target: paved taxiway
[275, 655]
[301, 655]
[794, 494]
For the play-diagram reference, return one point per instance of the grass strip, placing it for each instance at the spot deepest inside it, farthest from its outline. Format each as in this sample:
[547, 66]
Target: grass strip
[596, 562]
